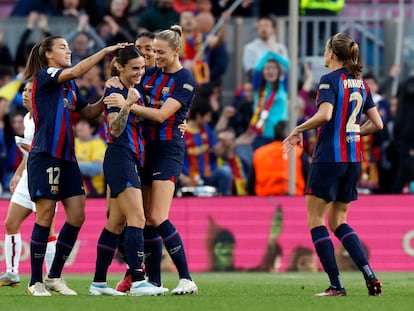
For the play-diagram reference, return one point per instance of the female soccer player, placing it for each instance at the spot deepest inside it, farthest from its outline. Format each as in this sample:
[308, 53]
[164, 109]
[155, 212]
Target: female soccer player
[169, 90]
[336, 164]
[144, 44]
[52, 169]
[21, 206]
[122, 168]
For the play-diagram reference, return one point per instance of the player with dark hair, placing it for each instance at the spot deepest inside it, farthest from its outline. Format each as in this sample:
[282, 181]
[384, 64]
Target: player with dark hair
[122, 168]
[168, 90]
[343, 97]
[53, 173]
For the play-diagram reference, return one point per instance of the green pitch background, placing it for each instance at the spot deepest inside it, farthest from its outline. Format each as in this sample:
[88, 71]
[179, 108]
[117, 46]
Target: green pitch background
[229, 291]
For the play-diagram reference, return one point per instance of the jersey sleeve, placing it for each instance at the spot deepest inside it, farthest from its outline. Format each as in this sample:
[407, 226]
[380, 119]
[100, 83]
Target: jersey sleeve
[184, 89]
[109, 92]
[326, 91]
[48, 77]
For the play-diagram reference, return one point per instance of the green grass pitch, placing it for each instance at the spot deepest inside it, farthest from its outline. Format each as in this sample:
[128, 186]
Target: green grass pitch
[229, 291]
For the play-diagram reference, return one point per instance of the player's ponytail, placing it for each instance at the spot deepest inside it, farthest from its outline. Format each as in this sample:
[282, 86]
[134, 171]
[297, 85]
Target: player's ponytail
[347, 52]
[172, 36]
[33, 63]
[354, 65]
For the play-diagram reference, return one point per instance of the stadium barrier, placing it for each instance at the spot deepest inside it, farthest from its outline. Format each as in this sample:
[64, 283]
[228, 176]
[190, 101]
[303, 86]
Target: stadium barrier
[264, 233]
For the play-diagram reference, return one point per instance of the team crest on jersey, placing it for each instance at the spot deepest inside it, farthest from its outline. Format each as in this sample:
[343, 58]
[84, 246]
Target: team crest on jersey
[188, 87]
[54, 189]
[52, 71]
[165, 90]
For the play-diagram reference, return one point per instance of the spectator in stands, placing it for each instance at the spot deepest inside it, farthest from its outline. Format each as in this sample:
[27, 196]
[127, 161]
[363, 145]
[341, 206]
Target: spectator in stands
[270, 174]
[91, 84]
[84, 40]
[24, 46]
[202, 150]
[116, 17]
[160, 15]
[10, 155]
[90, 151]
[5, 55]
[212, 93]
[220, 6]
[195, 53]
[203, 6]
[69, 8]
[403, 134]
[25, 7]
[270, 98]
[371, 144]
[389, 151]
[305, 109]
[6, 74]
[229, 158]
[184, 5]
[242, 103]
[254, 50]
[219, 57]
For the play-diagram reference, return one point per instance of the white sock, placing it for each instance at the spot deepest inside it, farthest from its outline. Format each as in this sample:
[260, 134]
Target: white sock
[50, 254]
[12, 251]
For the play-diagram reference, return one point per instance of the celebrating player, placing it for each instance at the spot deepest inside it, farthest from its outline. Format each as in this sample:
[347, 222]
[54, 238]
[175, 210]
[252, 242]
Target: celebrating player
[169, 90]
[52, 169]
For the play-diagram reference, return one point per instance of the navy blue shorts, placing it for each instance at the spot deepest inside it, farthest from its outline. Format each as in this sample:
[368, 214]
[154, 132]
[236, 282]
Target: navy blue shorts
[121, 169]
[334, 181]
[163, 161]
[52, 178]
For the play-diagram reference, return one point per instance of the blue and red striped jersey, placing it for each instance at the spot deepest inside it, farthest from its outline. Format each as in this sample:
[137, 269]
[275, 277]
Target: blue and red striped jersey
[54, 105]
[339, 139]
[198, 160]
[158, 87]
[131, 137]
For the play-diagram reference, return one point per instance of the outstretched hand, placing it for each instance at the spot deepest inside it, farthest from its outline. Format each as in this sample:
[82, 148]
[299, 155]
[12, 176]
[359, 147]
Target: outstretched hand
[115, 100]
[294, 138]
[114, 82]
[113, 48]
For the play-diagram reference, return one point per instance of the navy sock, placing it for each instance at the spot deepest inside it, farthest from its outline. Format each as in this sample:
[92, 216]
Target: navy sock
[175, 248]
[121, 245]
[153, 254]
[352, 244]
[134, 247]
[325, 250]
[65, 242]
[105, 253]
[38, 245]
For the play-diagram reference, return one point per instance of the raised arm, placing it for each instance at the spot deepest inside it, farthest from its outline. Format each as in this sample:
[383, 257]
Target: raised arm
[86, 64]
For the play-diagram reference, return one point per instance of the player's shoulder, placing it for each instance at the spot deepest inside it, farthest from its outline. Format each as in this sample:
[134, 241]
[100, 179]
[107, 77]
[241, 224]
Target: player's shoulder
[51, 72]
[116, 90]
[185, 77]
[331, 78]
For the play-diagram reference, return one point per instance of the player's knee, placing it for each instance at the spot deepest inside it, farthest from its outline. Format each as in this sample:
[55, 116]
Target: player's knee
[12, 226]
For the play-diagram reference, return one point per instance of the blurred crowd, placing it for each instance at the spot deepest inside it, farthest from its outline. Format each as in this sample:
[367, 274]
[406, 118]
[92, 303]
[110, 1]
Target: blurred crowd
[235, 146]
